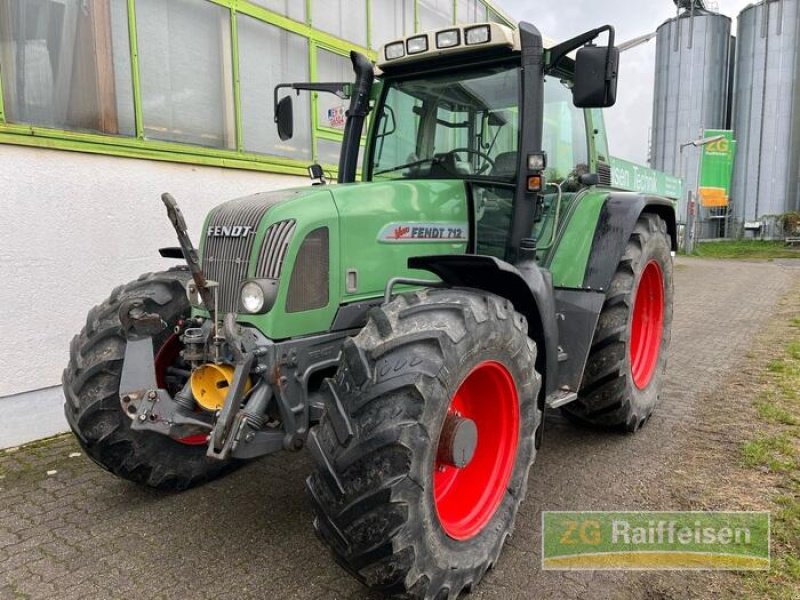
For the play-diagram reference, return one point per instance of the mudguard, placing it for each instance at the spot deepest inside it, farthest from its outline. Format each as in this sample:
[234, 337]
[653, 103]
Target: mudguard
[585, 267]
[615, 225]
[529, 288]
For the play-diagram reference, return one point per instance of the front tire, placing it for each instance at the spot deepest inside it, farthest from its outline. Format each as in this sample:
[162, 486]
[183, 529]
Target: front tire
[388, 499]
[91, 387]
[625, 369]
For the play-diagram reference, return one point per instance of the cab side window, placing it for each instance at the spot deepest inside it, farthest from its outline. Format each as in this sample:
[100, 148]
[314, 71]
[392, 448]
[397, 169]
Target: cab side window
[564, 136]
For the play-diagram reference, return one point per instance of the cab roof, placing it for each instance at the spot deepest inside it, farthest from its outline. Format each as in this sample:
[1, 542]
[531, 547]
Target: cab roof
[449, 41]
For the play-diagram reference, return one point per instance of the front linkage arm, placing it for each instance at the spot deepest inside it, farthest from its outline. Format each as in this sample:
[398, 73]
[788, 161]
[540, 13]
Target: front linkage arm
[190, 254]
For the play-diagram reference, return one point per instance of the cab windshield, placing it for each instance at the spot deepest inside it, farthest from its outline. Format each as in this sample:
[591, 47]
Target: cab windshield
[449, 126]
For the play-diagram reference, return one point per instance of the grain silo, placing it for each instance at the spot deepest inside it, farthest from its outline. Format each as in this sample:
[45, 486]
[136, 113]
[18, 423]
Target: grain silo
[767, 111]
[693, 53]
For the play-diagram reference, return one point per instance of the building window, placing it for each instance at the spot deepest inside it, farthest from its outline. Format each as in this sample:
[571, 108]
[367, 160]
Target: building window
[67, 69]
[346, 19]
[62, 63]
[330, 108]
[470, 11]
[390, 20]
[434, 14]
[269, 56]
[294, 9]
[185, 64]
[495, 17]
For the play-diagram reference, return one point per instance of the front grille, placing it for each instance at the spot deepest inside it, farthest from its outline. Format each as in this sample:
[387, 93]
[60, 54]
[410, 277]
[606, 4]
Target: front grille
[308, 288]
[273, 251]
[225, 259]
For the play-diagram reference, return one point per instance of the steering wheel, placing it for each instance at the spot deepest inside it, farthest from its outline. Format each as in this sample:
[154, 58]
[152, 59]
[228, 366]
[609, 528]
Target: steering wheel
[489, 162]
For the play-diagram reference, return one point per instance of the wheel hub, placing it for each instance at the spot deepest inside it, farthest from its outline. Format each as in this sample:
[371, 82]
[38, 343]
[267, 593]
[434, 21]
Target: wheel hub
[458, 441]
[476, 451]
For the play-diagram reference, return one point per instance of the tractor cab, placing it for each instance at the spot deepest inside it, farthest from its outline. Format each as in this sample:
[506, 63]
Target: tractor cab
[492, 107]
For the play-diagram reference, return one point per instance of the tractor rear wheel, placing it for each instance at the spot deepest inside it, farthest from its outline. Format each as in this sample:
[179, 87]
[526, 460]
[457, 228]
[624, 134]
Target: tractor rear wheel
[422, 455]
[91, 387]
[628, 357]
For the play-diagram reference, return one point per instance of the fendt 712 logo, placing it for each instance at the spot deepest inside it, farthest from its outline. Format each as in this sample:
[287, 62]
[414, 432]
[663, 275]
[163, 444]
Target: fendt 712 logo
[233, 231]
[424, 232]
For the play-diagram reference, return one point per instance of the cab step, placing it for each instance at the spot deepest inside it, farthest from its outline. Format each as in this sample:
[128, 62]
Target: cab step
[561, 398]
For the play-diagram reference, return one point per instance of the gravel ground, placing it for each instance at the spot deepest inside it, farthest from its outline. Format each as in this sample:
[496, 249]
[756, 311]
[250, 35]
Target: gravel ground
[70, 530]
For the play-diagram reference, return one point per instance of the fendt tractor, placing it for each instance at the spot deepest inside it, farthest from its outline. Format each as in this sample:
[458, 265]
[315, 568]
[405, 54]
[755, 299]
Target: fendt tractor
[409, 328]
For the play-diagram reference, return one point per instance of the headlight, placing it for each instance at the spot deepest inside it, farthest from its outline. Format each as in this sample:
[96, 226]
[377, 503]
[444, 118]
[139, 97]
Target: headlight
[478, 35]
[448, 39]
[395, 51]
[252, 297]
[417, 44]
[258, 295]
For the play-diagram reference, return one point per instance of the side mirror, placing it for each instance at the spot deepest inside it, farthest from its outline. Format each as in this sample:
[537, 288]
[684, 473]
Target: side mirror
[596, 77]
[284, 117]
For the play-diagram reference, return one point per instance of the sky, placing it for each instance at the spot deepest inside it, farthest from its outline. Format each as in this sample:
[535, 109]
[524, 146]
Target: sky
[628, 122]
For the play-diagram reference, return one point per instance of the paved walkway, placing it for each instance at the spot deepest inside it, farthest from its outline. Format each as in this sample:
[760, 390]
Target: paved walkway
[69, 530]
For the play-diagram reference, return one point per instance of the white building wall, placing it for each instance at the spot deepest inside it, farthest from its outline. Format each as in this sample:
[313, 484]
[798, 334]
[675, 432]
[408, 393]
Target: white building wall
[73, 227]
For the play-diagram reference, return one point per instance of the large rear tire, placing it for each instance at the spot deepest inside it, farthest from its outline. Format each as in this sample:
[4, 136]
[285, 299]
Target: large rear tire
[388, 499]
[625, 369]
[91, 387]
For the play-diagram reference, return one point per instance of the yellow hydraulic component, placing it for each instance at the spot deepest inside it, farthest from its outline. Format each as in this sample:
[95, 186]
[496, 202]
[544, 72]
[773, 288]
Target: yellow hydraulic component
[210, 385]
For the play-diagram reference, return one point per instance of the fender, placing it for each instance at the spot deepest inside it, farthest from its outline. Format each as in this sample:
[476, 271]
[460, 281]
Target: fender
[529, 289]
[578, 305]
[614, 227]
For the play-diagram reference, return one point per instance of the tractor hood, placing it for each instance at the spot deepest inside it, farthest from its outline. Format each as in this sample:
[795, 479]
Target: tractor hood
[329, 245]
[383, 224]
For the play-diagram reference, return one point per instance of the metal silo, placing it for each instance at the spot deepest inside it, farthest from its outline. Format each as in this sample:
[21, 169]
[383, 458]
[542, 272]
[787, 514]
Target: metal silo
[691, 90]
[767, 111]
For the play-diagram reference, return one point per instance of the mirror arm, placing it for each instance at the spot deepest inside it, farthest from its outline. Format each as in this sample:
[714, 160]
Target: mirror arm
[341, 89]
[559, 52]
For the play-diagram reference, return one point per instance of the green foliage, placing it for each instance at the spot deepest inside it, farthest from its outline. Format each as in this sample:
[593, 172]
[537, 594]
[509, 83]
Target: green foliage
[746, 249]
[775, 452]
[776, 449]
[790, 222]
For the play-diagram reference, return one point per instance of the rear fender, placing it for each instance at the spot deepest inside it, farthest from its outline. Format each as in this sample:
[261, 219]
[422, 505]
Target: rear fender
[615, 225]
[529, 289]
[580, 301]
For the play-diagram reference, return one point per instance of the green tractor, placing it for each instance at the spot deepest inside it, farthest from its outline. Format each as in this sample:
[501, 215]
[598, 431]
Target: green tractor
[410, 328]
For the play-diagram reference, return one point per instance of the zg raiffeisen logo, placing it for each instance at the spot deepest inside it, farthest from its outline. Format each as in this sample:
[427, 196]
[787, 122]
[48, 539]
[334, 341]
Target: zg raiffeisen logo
[655, 540]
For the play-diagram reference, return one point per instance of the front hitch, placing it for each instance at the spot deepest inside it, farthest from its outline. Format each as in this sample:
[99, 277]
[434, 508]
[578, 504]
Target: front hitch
[233, 431]
[149, 407]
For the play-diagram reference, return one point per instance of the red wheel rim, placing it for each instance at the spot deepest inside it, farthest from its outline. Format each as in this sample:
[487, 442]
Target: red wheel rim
[647, 325]
[165, 358]
[467, 498]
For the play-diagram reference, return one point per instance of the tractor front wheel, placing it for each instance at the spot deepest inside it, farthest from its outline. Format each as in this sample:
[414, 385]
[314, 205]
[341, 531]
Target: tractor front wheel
[91, 387]
[423, 453]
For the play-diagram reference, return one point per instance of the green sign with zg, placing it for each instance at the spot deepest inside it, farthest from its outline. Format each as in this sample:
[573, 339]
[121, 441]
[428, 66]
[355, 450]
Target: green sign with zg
[717, 168]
